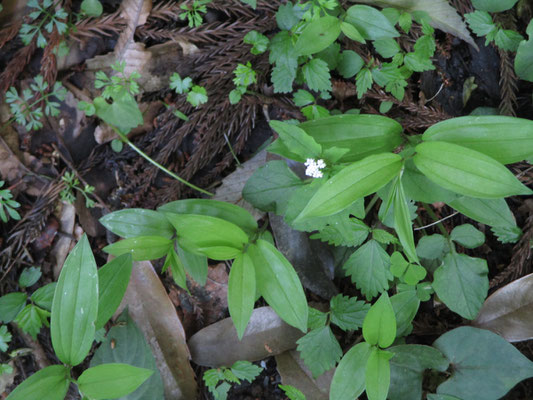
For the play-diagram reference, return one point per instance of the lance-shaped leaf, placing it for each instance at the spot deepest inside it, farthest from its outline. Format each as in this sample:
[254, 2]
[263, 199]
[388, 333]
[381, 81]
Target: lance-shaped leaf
[241, 292]
[278, 283]
[379, 326]
[318, 35]
[296, 140]
[484, 134]
[402, 222]
[75, 305]
[214, 237]
[50, 383]
[137, 222]
[493, 212]
[349, 379]
[377, 374]
[466, 171]
[141, 248]
[351, 183]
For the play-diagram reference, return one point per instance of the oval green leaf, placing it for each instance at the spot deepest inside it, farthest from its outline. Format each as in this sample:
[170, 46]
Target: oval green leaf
[371, 23]
[10, 305]
[351, 31]
[75, 305]
[377, 374]
[466, 171]
[141, 248]
[484, 134]
[137, 222]
[351, 183]
[318, 35]
[493, 212]
[493, 5]
[278, 283]
[379, 326]
[349, 379]
[241, 292]
[111, 381]
[50, 383]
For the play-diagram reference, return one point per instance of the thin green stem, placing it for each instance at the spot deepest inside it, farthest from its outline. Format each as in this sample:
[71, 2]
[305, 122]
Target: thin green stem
[432, 214]
[371, 204]
[125, 139]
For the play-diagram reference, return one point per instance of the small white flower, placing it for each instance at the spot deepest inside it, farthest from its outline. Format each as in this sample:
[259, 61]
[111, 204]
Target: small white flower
[314, 167]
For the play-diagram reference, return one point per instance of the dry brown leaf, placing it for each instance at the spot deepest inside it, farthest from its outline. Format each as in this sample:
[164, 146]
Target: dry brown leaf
[153, 312]
[64, 242]
[509, 311]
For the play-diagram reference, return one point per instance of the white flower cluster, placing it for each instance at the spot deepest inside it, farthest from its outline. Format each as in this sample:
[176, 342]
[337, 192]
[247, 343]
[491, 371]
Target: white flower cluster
[314, 167]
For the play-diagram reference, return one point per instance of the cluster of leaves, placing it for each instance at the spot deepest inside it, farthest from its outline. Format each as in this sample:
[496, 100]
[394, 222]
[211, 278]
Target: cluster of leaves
[244, 77]
[193, 12]
[482, 24]
[43, 16]
[35, 102]
[72, 184]
[219, 380]
[196, 95]
[8, 204]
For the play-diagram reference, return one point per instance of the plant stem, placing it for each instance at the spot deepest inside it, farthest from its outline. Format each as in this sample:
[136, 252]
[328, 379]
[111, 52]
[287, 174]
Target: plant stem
[125, 139]
[432, 214]
[371, 204]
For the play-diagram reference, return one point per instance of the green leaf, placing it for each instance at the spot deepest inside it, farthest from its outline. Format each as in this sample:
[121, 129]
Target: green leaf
[419, 188]
[241, 292]
[125, 343]
[387, 47]
[296, 139]
[194, 264]
[480, 22]
[432, 396]
[350, 63]
[371, 23]
[111, 380]
[318, 35]
[466, 171]
[405, 21]
[384, 237]
[343, 231]
[320, 350]
[523, 63]
[302, 98]
[50, 383]
[363, 81]
[10, 305]
[291, 392]
[483, 134]
[75, 305]
[93, 8]
[493, 5]
[351, 32]
[317, 319]
[283, 75]
[351, 183]
[493, 212]
[251, 3]
[180, 85]
[467, 236]
[278, 283]
[418, 62]
[462, 284]
[286, 16]
[29, 276]
[507, 39]
[113, 279]
[141, 247]
[377, 374]
[402, 222]
[135, 222]
[485, 366]
[270, 187]
[510, 234]
[44, 296]
[405, 305]
[197, 96]
[407, 369]
[349, 378]
[5, 338]
[316, 75]
[124, 113]
[258, 41]
[31, 319]
[214, 237]
[363, 134]
[347, 312]
[214, 208]
[368, 268]
[379, 326]
[245, 370]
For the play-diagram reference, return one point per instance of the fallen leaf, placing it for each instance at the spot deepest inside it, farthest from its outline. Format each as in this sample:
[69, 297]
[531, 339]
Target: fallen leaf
[64, 242]
[509, 311]
[154, 313]
[266, 335]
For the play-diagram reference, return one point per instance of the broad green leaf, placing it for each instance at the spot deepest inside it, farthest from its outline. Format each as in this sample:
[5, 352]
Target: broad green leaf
[379, 327]
[176, 267]
[241, 292]
[125, 343]
[75, 305]
[296, 139]
[137, 222]
[466, 171]
[44, 296]
[387, 47]
[351, 31]
[31, 319]
[141, 247]
[214, 237]
[407, 369]
[29, 276]
[484, 134]
[123, 113]
[419, 188]
[402, 222]
[377, 374]
[462, 283]
[93, 8]
[351, 183]
[320, 350]
[368, 268]
[214, 208]
[195, 264]
[50, 383]
[10, 305]
[270, 187]
[278, 283]
[350, 63]
[111, 381]
[485, 366]
[493, 212]
[467, 236]
[493, 5]
[348, 313]
[349, 378]
[318, 35]
[432, 247]
[286, 16]
[363, 134]
[523, 63]
[405, 306]
[113, 279]
[371, 23]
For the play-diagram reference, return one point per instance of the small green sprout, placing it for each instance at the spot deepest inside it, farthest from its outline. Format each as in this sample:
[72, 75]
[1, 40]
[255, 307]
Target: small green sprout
[194, 12]
[8, 204]
[72, 183]
[50, 19]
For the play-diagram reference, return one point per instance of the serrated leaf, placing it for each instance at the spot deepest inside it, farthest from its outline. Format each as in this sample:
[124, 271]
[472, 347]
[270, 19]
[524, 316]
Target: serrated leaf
[320, 350]
[316, 75]
[363, 82]
[31, 319]
[343, 231]
[347, 312]
[480, 22]
[245, 370]
[283, 75]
